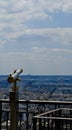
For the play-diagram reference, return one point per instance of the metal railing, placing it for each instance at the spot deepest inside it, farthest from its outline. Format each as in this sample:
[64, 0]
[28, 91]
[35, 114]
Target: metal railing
[58, 119]
[29, 109]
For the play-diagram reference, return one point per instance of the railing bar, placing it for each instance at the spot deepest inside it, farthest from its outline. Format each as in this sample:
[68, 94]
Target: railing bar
[45, 102]
[51, 124]
[48, 112]
[44, 124]
[62, 124]
[0, 114]
[55, 106]
[66, 125]
[27, 116]
[34, 123]
[7, 120]
[57, 118]
[55, 124]
[70, 125]
[20, 120]
[39, 101]
[71, 113]
[48, 123]
[40, 124]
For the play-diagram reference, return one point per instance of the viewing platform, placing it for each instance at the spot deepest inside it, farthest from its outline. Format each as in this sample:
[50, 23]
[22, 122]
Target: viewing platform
[16, 114]
[37, 115]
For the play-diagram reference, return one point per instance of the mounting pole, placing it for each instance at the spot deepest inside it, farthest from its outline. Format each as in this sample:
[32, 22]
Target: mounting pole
[14, 97]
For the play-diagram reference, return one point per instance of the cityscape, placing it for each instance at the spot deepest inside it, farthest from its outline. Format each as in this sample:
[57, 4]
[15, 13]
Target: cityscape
[39, 88]
[32, 90]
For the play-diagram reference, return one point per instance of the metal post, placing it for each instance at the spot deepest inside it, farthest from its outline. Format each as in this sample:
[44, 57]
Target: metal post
[27, 114]
[0, 114]
[14, 97]
[34, 123]
[14, 110]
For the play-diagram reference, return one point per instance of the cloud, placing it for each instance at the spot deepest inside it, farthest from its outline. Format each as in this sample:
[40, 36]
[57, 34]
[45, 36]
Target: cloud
[57, 5]
[67, 6]
[44, 36]
[15, 16]
[37, 54]
[20, 11]
[27, 38]
[38, 61]
[50, 38]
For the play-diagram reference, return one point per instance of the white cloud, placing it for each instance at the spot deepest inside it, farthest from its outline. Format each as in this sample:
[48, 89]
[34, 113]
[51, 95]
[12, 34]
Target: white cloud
[56, 5]
[53, 36]
[48, 46]
[38, 61]
[15, 13]
[67, 6]
[56, 35]
[36, 54]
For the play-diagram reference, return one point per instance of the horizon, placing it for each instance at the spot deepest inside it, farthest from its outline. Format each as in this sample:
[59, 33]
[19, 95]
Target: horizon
[35, 75]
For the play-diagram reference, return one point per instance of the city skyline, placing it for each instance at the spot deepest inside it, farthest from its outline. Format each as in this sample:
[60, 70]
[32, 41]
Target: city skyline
[36, 35]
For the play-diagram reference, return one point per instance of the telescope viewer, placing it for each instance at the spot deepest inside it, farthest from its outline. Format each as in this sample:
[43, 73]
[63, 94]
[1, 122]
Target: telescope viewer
[14, 97]
[14, 76]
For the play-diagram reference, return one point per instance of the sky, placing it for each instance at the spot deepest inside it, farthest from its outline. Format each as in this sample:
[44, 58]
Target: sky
[36, 35]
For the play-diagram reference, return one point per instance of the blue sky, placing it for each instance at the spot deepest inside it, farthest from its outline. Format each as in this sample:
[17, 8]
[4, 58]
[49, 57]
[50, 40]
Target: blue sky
[36, 35]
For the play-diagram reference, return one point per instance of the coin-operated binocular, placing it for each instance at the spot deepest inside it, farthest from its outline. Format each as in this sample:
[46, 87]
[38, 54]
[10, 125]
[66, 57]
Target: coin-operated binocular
[12, 78]
[14, 97]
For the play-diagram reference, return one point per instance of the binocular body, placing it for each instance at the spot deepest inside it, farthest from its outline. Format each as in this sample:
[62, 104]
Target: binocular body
[14, 76]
